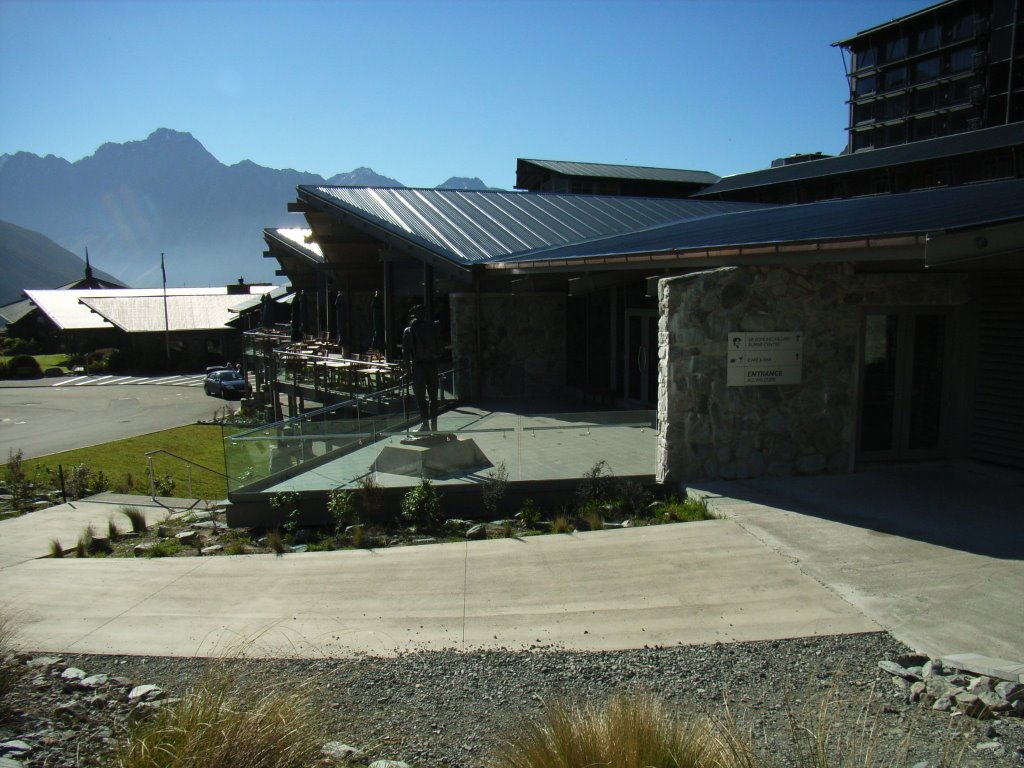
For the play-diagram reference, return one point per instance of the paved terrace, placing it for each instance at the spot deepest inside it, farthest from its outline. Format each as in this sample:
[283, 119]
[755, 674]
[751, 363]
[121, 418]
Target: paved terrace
[560, 446]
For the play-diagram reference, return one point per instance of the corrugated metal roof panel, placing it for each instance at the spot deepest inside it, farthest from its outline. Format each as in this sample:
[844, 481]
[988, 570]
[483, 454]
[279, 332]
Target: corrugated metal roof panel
[882, 215]
[634, 172]
[141, 314]
[13, 312]
[68, 312]
[468, 227]
[930, 149]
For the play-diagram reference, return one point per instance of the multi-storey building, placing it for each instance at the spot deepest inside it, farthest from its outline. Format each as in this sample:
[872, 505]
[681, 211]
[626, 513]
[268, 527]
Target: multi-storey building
[952, 67]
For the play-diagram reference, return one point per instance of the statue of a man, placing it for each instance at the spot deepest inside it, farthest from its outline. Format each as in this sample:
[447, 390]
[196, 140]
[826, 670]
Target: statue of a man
[421, 348]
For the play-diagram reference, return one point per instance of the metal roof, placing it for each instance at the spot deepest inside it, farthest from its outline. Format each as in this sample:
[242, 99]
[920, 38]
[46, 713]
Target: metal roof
[635, 172]
[931, 149]
[468, 227]
[13, 312]
[294, 240]
[878, 216]
[276, 293]
[894, 22]
[68, 309]
[141, 314]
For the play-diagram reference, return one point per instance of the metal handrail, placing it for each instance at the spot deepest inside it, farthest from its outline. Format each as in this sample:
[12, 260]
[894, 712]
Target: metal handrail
[152, 477]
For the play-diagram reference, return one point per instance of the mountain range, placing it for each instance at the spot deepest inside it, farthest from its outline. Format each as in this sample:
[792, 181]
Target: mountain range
[128, 203]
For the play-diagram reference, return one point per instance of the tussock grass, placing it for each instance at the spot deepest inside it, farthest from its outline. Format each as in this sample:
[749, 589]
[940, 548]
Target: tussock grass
[219, 724]
[561, 524]
[10, 671]
[137, 518]
[635, 731]
[275, 542]
[56, 549]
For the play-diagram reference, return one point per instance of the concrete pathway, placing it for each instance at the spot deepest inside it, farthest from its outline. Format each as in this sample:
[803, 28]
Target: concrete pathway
[933, 553]
[686, 583]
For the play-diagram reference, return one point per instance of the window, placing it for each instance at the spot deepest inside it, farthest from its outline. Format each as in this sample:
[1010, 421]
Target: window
[864, 85]
[896, 49]
[895, 78]
[925, 99]
[926, 69]
[866, 58]
[923, 128]
[962, 59]
[895, 107]
[962, 28]
[927, 38]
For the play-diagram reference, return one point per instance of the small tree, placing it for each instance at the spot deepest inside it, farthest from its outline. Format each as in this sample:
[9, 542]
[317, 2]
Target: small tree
[17, 481]
[341, 505]
[494, 488]
[421, 507]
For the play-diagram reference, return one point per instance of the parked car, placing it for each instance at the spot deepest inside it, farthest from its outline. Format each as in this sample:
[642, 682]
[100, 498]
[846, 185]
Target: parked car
[226, 382]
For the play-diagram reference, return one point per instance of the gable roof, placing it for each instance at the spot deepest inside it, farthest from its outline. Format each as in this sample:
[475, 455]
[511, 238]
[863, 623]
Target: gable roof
[466, 227]
[611, 171]
[999, 137]
[909, 213]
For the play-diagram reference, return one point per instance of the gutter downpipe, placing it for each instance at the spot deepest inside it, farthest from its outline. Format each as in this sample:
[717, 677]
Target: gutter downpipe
[477, 358]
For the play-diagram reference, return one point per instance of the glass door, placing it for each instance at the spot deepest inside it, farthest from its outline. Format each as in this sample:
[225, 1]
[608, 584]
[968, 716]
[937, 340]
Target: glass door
[904, 384]
[640, 373]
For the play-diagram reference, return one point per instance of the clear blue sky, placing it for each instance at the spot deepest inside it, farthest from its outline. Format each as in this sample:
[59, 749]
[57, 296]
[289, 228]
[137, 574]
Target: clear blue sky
[421, 90]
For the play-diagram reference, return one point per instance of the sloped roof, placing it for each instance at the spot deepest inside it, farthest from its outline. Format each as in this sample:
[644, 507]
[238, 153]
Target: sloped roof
[468, 227]
[632, 172]
[294, 240]
[13, 312]
[862, 217]
[998, 137]
[75, 310]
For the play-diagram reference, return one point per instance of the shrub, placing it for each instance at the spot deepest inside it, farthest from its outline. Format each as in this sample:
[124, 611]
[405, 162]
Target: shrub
[84, 482]
[633, 498]
[341, 505]
[221, 724]
[165, 548]
[627, 732]
[17, 481]
[287, 503]
[137, 518]
[421, 507]
[24, 367]
[529, 514]
[598, 484]
[494, 488]
[163, 485]
[684, 510]
[370, 496]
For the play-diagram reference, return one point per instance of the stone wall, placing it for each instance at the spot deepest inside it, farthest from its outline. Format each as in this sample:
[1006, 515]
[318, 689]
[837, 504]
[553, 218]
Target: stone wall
[522, 344]
[709, 430]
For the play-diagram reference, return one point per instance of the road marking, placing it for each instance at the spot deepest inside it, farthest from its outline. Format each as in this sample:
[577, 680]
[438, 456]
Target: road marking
[117, 381]
[179, 380]
[93, 381]
[70, 381]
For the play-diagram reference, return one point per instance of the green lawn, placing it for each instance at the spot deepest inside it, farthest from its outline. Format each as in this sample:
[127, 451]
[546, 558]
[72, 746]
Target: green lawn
[124, 459]
[59, 360]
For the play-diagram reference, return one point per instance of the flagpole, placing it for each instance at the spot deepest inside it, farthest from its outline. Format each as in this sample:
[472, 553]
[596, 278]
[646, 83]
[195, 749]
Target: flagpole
[167, 322]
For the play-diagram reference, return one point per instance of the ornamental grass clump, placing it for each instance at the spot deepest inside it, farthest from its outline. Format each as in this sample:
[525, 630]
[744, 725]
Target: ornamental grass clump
[634, 731]
[220, 724]
[137, 518]
[10, 671]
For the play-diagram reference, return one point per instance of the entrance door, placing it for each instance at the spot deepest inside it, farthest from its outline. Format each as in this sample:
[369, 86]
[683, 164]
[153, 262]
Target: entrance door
[640, 374]
[904, 384]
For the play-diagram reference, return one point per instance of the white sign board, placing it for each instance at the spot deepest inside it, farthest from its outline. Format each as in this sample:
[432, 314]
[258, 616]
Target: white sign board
[757, 359]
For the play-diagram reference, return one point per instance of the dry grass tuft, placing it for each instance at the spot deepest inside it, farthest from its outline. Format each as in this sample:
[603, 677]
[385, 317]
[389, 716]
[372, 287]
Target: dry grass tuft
[10, 671]
[219, 724]
[137, 518]
[635, 731]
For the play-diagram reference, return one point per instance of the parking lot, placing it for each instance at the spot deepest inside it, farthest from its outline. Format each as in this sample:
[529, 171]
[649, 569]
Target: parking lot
[45, 416]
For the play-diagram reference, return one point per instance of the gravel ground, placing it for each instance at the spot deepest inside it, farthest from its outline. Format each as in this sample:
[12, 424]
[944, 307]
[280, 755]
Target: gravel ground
[451, 709]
